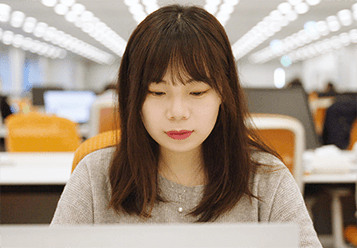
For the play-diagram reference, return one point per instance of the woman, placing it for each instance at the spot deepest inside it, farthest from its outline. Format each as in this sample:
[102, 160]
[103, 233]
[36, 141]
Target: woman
[185, 154]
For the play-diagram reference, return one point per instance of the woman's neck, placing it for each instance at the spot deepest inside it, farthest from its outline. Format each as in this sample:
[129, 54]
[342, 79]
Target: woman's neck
[185, 168]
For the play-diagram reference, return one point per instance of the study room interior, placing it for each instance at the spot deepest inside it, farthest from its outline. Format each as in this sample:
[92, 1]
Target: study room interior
[59, 61]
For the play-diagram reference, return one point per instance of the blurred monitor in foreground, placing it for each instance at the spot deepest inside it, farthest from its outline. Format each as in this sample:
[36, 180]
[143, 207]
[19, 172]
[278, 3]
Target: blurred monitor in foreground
[291, 101]
[72, 105]
[248, 235]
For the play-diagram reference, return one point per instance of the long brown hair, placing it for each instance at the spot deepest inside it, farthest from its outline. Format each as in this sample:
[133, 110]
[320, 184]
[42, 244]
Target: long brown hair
[189, 40]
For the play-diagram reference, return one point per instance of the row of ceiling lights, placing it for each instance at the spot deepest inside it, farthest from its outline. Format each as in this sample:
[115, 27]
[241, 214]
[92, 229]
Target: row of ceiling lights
[26, 43]
[140, 11]
[222, 11]
[78, 15]
[42, 30]
[285, 13]
[320, 47]
[312, 31]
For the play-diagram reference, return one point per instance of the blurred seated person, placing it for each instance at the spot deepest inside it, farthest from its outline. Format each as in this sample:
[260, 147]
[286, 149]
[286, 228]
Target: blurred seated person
[330, 90]
[338, 121]
[296, 82]
[5, 108]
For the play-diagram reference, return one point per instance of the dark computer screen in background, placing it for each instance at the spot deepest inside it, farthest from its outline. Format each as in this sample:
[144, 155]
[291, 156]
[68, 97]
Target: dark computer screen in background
[292, 102]
[37, 94]
[72, 105]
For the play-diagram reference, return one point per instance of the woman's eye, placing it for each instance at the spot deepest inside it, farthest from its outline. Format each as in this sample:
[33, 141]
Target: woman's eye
[157, 93]
[198, 93]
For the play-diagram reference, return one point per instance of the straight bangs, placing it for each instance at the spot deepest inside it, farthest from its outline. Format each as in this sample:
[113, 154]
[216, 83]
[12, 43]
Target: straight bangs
[186, 52]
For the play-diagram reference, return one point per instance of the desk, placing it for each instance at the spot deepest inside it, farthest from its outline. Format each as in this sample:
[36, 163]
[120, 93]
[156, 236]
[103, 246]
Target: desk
[48, 168]
[51, 168]
[31, 184]
[330, 179]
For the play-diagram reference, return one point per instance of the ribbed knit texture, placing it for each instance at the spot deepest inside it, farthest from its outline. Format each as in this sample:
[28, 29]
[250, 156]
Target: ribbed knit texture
[86, 196]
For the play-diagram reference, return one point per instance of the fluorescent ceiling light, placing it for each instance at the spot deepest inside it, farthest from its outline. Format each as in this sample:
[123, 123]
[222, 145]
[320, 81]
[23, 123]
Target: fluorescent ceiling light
[29, 24]
[17, 18]
[49, 3]
[322, 28]
[292, 15]
[333, 23]
[87, 16]
[294, 2]
[7, 37]
[345, 17]
[301, 8]
[312, 2]
[40, 29]
[18, 40]
[310, 28]
[150, 5]
[71, 16]
[78, 8]
[61, 9]
[212, 6]
[284, 7]
[4, 12]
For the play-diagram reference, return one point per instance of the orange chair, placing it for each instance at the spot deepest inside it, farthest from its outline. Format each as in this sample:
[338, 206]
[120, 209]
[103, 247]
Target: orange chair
[318, 109]
[285, 135]
[100, 141]
[35, 132]
[353, 135]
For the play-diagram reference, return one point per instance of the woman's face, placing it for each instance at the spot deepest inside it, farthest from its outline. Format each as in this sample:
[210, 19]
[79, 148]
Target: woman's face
[179, 118]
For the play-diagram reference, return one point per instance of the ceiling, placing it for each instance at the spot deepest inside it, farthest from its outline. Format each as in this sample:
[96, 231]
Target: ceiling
[115, 13]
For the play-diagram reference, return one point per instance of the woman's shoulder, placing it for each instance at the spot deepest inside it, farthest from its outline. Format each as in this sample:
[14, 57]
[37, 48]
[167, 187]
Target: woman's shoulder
[267, 162]
[270, 173]
[98, 161]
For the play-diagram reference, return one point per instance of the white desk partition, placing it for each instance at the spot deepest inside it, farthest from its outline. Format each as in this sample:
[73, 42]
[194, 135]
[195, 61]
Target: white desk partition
[37, 168]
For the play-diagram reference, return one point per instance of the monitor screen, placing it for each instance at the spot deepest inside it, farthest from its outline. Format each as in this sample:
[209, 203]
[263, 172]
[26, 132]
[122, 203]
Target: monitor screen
[37, 94]
[292, 102]
[72, 105]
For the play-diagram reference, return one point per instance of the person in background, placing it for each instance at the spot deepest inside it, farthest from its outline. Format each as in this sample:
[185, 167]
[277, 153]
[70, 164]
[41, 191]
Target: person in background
[296, 82]
[338, 121]
[185, 154]
[330, 90]
[5, 108]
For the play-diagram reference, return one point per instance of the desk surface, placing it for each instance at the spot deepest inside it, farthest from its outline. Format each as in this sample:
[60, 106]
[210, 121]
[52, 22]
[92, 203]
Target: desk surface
[53, 168]
[49, 168]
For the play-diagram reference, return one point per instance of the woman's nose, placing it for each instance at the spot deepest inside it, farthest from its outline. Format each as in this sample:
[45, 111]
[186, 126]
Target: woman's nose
[178, 109]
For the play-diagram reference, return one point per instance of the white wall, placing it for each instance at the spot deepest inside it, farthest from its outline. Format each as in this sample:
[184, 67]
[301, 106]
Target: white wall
[97, 76]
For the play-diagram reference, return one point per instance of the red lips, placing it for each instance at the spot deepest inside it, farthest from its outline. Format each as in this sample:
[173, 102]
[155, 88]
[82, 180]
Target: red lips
[179, 135]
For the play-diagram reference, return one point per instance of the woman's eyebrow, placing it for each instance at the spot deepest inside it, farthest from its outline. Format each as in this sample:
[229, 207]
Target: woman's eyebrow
[189, 81]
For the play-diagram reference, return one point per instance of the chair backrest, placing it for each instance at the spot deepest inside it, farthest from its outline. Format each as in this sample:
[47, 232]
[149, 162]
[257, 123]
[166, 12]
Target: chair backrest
[353, 135]
[286, 136]
[35, 132]
[99, 141]
[318, 109]
[103, 117]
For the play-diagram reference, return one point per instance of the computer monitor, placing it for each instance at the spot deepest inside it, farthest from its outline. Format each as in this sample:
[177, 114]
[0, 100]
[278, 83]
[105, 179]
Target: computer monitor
[73, 105]
[37, 94]
[290, 101]
[248, 235]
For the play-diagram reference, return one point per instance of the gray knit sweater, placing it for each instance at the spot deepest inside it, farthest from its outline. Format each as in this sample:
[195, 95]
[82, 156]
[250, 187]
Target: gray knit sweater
[87, 193]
